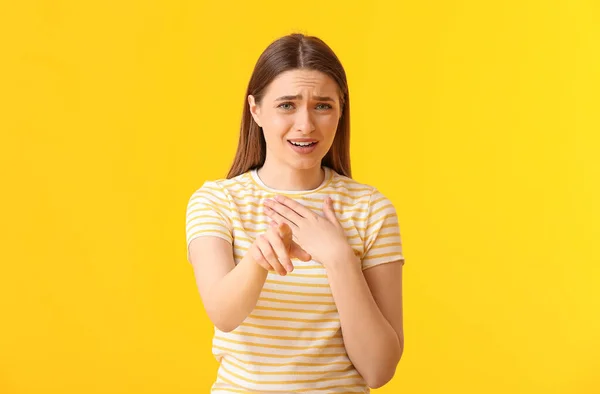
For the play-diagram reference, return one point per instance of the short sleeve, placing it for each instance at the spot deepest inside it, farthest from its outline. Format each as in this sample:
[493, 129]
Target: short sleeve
[208, 214]
[382, 233]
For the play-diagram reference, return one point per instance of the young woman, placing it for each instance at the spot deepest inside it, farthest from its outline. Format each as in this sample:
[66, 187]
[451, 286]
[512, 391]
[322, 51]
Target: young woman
[298, 266]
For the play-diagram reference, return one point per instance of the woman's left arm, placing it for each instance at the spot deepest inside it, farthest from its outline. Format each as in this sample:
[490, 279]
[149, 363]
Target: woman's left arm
[369, 303]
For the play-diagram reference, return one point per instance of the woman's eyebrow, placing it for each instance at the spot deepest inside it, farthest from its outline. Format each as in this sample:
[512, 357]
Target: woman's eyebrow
[299, 97]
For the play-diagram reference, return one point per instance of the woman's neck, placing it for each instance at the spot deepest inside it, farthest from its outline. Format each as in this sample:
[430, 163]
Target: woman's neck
[282, 177]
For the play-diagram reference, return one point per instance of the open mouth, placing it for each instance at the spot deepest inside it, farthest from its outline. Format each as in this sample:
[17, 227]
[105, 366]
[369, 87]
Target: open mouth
[303, 144]
[303, 147]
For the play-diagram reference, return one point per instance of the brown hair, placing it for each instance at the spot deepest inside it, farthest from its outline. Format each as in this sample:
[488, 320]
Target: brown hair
[294, 51]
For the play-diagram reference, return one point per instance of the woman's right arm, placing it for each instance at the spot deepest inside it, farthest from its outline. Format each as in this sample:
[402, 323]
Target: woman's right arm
[229, 292]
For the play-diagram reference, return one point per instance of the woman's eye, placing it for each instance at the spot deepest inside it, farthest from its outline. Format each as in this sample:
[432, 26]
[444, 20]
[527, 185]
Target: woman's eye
[287, 106]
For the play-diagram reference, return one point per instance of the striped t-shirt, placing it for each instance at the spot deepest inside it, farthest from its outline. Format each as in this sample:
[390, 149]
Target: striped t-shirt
[291, 342]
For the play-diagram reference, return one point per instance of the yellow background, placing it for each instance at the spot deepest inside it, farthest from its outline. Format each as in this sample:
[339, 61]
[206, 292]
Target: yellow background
[480, 121]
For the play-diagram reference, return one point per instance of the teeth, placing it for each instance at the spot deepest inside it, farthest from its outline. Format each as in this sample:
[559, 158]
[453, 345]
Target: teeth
[302, 143]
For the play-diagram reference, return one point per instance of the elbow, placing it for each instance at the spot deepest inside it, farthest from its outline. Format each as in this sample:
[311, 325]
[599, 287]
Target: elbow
[223, 327]
[382, 374]
[221, 322]
[380, 377]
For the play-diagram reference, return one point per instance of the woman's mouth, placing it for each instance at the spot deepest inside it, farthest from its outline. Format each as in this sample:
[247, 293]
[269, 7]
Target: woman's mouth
[303, 147]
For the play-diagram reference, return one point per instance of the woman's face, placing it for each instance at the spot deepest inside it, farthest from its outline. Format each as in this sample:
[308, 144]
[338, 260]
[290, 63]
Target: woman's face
[299, 115]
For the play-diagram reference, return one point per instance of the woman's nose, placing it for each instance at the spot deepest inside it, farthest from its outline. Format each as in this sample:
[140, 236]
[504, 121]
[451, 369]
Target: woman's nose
[304, 121]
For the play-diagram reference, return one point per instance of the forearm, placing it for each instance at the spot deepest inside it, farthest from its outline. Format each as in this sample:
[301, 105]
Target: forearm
[231, 299]
[371, 342]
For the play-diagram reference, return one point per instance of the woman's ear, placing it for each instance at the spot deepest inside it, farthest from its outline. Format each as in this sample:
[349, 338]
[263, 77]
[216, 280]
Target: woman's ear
[254, 109]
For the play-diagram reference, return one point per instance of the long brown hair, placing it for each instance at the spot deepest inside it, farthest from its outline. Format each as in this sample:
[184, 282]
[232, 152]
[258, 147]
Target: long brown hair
[294, 51]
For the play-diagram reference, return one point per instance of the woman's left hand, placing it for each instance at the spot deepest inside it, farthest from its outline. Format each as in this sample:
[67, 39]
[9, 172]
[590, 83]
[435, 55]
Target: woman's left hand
[322, 237]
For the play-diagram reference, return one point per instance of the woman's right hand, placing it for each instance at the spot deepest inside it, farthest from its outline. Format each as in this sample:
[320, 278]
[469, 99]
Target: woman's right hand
[274, 249]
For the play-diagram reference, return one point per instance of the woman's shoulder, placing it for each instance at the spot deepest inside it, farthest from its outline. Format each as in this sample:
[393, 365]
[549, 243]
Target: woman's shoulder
[222, 187]
[349, 185]
[359, 191]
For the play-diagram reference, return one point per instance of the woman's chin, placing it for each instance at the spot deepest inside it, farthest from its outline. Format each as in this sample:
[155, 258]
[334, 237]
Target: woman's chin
[306, 164]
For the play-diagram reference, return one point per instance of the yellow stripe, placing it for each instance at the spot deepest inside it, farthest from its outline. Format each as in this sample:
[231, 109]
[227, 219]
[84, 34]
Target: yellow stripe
[191, 215]
[385, 245]
[376, 222]
[203, 223]
[340, 194]
[347, 182]
[284, 338]
[379, 236]
[380, 199]
[354, 385]
[350, 182]
[290, 283]
[247, 177]
[233, 384]
[266, 223]
[352, 219]
[276, 355]
[250, 230]
[286, 347]
[295, 329]
[321, 276]
[329, 295]
[282, 364]
[209, 231]
[309, 267]
[206, 209]
[315, 200]
[218, 390]
[292, 372]
[249, 221]
[242, 203]
[242, 238]
[209, 201]
[214, 189]
[286, 382]
[269, 308]
[338, 201]
[376, 256]
[276, 318]
[389, 225]
[295, 301]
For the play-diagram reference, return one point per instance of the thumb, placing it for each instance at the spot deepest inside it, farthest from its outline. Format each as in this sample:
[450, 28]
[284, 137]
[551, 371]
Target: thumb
[298, 252]
[328, 210]
[285, 231]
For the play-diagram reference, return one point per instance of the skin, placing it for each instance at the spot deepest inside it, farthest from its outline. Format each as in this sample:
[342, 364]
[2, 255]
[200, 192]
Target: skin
[296, 119]
[368, 301]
